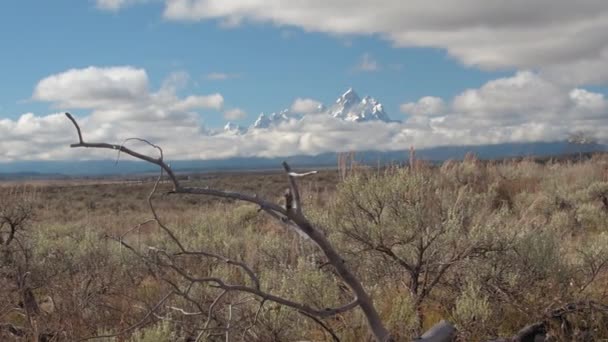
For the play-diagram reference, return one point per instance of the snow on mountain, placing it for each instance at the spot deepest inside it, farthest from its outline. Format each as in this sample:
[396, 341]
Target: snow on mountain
[349, 100]
[265, 121]
[348, 107]
[233, 128]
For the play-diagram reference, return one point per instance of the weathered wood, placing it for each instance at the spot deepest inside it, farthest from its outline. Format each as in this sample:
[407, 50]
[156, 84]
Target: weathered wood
[440, 332]
[290, 214]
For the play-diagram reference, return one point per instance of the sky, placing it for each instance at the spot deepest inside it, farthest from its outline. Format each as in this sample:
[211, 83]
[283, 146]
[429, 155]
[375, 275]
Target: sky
[176, 71]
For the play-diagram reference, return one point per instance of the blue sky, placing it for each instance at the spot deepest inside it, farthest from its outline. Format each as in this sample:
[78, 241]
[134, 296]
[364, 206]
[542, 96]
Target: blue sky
[477, 63]
[271, 65]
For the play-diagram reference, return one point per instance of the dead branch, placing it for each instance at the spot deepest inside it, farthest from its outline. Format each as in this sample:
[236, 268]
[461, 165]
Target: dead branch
[255, 319]
[440, 332]
[325, 327]
[295, 216]
[140, 323]
[539, 330]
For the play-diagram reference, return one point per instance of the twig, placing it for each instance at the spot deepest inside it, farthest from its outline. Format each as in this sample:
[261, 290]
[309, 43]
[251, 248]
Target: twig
[255, 319]
[160, 150]
[134, 326]
[296, 216]
[322, 325]
[210, 314]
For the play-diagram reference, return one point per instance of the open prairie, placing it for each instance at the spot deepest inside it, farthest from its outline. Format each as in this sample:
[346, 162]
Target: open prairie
[491, 247]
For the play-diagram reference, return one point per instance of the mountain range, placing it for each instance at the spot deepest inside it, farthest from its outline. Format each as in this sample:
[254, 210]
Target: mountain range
[58, 169]
[348, 107]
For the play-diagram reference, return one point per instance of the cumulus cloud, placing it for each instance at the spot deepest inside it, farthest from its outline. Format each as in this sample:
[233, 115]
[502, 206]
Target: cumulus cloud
[426, 106]
[235, 114]
[120, 105]
[93, 87]
[563, 38]
[523, 107]
[122, 93]
[305, 106]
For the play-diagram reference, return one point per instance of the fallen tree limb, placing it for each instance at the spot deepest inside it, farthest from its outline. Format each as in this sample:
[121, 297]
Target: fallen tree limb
[440, 332]
[292, 215]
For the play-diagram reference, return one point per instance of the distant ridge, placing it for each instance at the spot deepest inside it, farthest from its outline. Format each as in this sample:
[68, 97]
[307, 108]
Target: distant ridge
[57, 169]
[348, 107]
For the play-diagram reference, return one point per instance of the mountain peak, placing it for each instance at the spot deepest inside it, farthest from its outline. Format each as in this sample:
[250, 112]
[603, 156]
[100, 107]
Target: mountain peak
[349, 97]
[233, 128]
[349, 107]
[262, 122]
[265, 121]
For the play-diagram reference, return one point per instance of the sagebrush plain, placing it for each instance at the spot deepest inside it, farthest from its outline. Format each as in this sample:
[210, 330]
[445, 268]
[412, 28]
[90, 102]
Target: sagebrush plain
[488, 246]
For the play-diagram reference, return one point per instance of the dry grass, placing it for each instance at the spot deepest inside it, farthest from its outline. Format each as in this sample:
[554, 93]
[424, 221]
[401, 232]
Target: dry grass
[549, 216]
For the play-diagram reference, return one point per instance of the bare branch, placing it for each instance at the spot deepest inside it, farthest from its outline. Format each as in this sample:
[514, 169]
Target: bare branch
[160, 150]
[134, 326]
[322, 325]
[156, 161]
[295, 216]
[264, 205]
[77, 127]
[210, 314]
[294, 174]
[228, 261]
[219, 283]
[184, 251]
[293, 186]
[255, 319]
[184, 312]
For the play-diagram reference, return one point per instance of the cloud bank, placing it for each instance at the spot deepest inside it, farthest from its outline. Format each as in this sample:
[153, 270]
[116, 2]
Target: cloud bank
[117, 103]
[563, 39]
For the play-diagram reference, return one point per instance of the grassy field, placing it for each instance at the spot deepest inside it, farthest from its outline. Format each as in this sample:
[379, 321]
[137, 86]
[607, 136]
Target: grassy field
[488, 246]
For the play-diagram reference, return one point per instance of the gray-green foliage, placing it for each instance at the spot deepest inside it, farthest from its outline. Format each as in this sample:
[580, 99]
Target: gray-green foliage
[418, 220]
[489, 247]
[472, 306]
[159, 332]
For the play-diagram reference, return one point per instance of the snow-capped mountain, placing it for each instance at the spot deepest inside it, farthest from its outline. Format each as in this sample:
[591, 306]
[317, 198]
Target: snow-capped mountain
[265, 121]
[348, 107]
[233, 128]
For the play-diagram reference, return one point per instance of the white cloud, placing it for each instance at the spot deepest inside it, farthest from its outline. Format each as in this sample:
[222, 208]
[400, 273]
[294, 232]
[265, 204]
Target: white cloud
[234, 114]
[110, 5]
[122, 93]
[563, 38]
[221, 76]
[115, 5]
[524, 92]
[426, 106]
[192, 102]
[526, 106]
[367, 63]
[93, 86]
[305, 106]
[33, 137]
